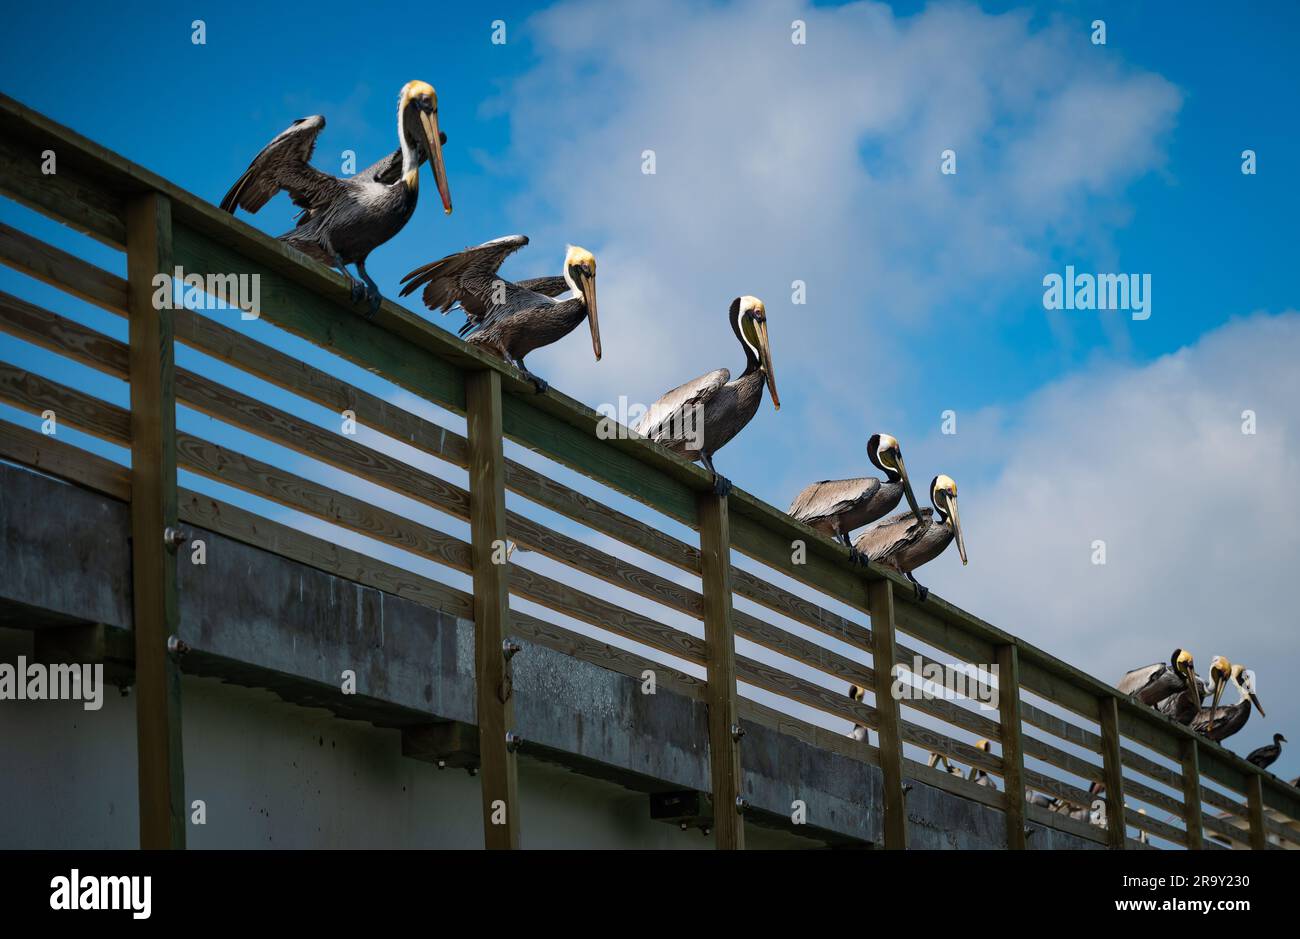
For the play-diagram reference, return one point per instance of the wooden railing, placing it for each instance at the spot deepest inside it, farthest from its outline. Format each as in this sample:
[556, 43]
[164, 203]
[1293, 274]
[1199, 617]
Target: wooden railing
[790, 628]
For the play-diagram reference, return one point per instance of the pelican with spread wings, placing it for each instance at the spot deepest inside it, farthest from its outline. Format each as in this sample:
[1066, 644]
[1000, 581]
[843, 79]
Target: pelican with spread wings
[511, 319]
[343, 220]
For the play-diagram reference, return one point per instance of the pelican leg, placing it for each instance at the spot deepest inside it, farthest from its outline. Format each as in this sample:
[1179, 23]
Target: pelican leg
[721, 484]
[538, 382]
[372, 293]
[855, 556]
[921, 592]
[358, 288]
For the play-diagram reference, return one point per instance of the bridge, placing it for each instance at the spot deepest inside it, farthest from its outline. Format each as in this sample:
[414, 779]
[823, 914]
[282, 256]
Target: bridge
[306, 657]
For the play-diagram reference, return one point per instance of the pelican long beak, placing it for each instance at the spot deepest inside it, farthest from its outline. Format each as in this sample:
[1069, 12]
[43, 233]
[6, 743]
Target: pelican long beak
[956, 528]
[1220, 682]
[1254, 699]
[434, 138]
[587, 285]
[765, 353]
[907, 487]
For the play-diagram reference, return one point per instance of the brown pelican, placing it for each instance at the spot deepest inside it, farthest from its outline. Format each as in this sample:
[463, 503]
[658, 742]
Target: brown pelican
[838, 506]
[980, 777]
[511, 319]
[905, 541]
[1219, 723]
[859, 731]
[697, 419]
[1267, 755]
[343, 220]
[1151, 684]
[940, 762]
[1185, 705]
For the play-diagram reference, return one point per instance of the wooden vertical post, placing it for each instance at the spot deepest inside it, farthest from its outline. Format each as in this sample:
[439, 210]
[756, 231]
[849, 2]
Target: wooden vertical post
[880, 601]
[1116, 826]
[720, 646]
[1192, 795]
[153, 511]
[1013, 752]
[487, 524]
[1255, 806]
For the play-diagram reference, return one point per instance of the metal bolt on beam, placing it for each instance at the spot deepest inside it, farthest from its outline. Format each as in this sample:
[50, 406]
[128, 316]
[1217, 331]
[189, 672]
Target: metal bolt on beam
[174, 536]
[176, 645]
[510, 648]
[513, 741]
[737, 732]
[741, 804]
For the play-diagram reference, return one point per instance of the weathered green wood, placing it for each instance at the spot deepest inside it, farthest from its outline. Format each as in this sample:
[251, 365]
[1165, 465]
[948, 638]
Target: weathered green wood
[1255, 805]
[153, 512]
[779, 552]
[880, 597]
[298, 310]
[580, 449]
[1108, 713]
[720, 646]
[1013, 749]
[1192, 795]
[65, 195]
[495, 711]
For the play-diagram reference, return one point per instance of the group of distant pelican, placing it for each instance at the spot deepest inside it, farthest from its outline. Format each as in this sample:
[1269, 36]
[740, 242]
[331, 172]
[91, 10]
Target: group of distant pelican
[342, 220]
[1174, 690]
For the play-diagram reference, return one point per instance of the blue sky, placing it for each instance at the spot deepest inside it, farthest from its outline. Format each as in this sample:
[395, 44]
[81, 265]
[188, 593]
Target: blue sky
[778, 162]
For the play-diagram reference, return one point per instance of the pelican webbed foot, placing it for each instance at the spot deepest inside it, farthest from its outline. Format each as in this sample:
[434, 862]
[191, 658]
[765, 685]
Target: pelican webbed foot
[538, 382]
[858, 557]
[370, 292]
[721, 484]
[921, 592]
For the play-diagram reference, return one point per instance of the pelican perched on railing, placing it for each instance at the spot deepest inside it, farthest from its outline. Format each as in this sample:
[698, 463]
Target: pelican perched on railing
[1267, 755]
[511, 319]
[343, 220]
[859, 731]
[1151, 684]
[1219, 723]
[940, 762]
[838, 506]
[905, 541]
[977, 775]
[697, 419]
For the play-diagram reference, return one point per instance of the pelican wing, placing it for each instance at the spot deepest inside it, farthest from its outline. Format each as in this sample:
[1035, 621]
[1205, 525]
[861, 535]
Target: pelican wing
[550, 286]
[284, 163]
[886, 538]
[830, 497]
[664, 416]
[468, 278]
[1137, 679]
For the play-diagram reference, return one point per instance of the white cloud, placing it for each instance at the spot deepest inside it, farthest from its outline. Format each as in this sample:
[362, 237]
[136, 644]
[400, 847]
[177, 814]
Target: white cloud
[1199, 519]
[817, 162]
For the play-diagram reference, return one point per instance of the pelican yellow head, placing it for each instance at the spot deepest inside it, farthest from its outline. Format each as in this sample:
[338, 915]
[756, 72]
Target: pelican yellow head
[580, 275]
[749, 320]
[417, 120]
